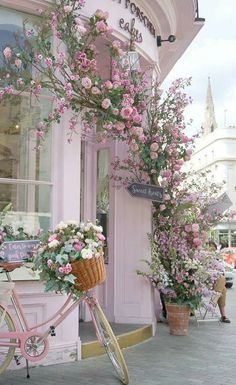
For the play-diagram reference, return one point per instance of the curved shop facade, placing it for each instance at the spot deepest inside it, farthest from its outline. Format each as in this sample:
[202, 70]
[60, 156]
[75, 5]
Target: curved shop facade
[71, 181]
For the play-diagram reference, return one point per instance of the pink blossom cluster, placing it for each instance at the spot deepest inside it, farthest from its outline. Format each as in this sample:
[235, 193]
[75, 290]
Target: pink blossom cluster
[73, 75]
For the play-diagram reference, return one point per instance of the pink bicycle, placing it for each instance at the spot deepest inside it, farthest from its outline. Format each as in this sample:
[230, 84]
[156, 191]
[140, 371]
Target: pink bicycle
[33, 345]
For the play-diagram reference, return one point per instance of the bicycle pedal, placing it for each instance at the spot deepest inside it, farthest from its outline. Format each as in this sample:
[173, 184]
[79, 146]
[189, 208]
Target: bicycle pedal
[52, 331]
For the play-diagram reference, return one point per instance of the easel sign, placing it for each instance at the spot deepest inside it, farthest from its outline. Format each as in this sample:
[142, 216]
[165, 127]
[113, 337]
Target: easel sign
[17, 251]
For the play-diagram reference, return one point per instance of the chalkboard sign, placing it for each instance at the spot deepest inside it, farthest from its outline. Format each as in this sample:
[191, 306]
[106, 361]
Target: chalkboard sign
[17, 251]
[146, 191]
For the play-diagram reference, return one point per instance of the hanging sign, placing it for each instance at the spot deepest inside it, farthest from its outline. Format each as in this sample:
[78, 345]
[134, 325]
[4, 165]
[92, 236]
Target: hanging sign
[17, 251]
[222, 204]
[146, 191]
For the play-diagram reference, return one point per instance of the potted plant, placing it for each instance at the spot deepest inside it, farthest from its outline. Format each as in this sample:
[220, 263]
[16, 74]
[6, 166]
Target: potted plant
[183, 277]
[70, 258]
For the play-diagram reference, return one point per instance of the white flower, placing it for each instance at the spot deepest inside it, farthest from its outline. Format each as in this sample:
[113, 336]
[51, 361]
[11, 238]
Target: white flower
[86, 253]
[61, 225]
[53, 243]
[72, 222]
[98, 229]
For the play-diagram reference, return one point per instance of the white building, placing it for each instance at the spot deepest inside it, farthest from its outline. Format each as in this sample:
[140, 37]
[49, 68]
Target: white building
[216, 151]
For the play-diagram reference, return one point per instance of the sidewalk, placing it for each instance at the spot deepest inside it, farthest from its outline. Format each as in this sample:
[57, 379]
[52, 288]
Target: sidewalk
[206, 357]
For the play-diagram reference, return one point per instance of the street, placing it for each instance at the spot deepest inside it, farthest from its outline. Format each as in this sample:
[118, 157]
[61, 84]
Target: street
[205, 357]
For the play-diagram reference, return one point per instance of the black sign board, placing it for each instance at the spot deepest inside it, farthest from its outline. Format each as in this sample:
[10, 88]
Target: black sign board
[17, 251]
[146, 191]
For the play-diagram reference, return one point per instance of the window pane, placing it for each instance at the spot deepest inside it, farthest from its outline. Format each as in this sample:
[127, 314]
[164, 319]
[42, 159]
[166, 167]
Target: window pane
[30, 205]
[103, 191]
[18, 157]
[224, 238]
[233, 238]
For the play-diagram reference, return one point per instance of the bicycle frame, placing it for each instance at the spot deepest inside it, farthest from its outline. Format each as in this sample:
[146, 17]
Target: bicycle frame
[22, 334]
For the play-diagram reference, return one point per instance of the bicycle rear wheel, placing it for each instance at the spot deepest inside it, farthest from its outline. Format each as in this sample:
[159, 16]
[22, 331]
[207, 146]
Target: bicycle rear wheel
[110, 343]
[6, 353]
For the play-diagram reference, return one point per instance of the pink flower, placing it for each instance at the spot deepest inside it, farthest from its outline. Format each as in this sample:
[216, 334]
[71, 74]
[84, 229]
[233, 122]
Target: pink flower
[48, 62]
[7, 52]
[197, 241]
[86, 82]
[106, 103]
[52, 237]
[120, 126]
[153, 155]
[18, 63]
[133, 146]
[49, 263]
[126, 112]
[195, 227]
[101, 237]
[95, 91]
[154, 146]
[61, 269]
[166, 197]
[78, 246]
[102, 15]
[67, 268]
[67, 8]
[162, 207]
[188, 228]
[101, 26]
[108, 84]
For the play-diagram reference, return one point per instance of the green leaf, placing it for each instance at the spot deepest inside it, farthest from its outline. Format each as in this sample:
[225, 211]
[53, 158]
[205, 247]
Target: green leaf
[70, 278]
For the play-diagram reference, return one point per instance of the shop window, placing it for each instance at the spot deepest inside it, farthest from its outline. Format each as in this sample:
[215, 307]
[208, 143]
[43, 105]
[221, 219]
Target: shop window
[233, 238]
[25, 171]
[224, 238]
[103, 192]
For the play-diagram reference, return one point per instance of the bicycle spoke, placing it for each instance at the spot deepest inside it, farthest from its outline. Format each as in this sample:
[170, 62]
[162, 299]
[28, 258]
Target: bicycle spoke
[109, 341]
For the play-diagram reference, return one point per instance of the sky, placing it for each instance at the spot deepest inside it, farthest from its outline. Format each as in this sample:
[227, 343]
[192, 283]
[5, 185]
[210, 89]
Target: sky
[211, 54]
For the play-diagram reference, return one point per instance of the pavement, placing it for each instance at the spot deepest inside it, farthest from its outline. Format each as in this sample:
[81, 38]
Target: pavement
[207, 356]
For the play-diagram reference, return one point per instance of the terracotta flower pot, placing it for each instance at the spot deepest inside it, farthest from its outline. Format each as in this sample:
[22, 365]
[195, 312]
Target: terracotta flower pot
[178, 319]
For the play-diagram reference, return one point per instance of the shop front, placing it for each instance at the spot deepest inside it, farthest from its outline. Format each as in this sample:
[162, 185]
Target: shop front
[65, 181]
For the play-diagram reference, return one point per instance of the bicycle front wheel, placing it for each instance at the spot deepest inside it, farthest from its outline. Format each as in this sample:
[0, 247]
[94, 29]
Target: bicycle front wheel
[6, 352]
[110, 343]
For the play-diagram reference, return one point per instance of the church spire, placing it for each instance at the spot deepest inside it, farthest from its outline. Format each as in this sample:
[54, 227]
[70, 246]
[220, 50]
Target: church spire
[209, 125]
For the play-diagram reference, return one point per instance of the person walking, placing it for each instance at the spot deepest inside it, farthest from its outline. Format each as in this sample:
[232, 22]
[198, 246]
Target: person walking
[219, 286]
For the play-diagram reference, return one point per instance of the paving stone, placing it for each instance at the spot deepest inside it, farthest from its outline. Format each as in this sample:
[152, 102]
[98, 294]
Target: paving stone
[207, 356]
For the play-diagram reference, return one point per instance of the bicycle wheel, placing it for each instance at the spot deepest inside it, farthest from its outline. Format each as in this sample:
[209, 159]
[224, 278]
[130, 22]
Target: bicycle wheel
[110, 343]
[6, 353]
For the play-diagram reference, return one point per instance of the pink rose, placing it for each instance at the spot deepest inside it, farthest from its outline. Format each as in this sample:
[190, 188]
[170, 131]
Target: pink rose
[153, 155]
[106, 103]
[101, 26]
[78, 246]
[101, 237]
[197, 242]
[108, 84]
[86, 83]
[95, 91]
[7, 52]
[154, 146]
[126, 112]
[120, 126]
[162, 207]
[52, 237]
[188, 228]
[134, 147]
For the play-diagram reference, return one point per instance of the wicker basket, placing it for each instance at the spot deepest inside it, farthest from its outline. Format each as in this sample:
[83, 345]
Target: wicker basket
[89, 272]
